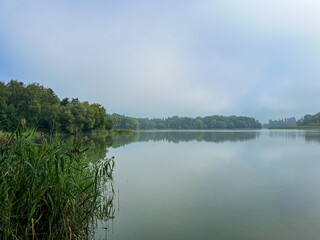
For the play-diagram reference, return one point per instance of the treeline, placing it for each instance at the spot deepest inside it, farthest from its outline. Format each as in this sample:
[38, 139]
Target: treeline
[310, 120]
[123, 122]
[209, 122]
[40, 106]
[287, 122]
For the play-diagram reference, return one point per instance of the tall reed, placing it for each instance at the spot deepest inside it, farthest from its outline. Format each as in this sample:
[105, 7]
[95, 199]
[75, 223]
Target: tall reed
[47, 191]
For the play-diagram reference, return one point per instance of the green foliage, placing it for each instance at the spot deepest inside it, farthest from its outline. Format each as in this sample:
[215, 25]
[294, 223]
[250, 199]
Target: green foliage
[307, 122]
[123, 131]
[299, 122]
[310, 120]
[209, 122]
[47, 191]
[41, 107]
[123, 122]
[109, 124]
[97, 144]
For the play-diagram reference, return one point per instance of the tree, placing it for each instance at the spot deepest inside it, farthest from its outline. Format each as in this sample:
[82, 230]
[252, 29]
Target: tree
[208, 122]
[41, 107]
[123, 122]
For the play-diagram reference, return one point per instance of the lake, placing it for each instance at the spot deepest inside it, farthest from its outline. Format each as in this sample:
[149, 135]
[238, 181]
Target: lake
[259, 185]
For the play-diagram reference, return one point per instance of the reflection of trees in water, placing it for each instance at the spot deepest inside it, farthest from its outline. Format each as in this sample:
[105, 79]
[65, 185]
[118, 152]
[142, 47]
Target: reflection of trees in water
[96, 146]
[210, 136]
[183, 136]
[285, 134]
[216, 137]
[312, 136]
[309, 136]
[124, 139]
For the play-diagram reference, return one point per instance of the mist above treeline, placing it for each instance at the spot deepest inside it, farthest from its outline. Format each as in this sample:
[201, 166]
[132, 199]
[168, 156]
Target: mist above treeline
[40, 107]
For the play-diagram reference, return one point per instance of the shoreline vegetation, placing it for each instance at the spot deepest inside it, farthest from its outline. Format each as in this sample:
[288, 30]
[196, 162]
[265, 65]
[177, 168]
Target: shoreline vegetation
[42, 108]
[311, 122]
[48, 191]
[185, 123]
[111, 132]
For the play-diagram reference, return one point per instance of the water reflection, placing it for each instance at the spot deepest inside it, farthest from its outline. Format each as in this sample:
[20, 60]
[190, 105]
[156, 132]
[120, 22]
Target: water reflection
[185, 136]
[243, 185]
[243, 179]
[122, 140]
[286, 134]
[308, 136]
[97, 145]
[312, 137]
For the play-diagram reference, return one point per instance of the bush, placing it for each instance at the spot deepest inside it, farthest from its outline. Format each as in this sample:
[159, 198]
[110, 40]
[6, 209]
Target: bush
[47, 191]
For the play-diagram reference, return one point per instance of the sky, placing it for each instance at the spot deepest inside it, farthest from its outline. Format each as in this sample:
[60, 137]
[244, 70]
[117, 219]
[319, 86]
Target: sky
[162, 58]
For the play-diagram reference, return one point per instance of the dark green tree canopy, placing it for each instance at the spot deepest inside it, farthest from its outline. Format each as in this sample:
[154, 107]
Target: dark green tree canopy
[208, 122]
[123, 122]
[40, 106]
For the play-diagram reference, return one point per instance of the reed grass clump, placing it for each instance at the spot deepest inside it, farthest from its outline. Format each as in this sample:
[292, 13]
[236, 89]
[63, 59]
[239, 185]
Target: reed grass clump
[47, 191]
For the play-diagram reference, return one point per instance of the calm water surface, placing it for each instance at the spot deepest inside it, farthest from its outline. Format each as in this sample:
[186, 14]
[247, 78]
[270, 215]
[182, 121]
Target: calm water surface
[216, 185]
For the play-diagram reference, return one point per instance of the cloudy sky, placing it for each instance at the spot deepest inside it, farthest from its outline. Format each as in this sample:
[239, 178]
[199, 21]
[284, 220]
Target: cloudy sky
[158, 58]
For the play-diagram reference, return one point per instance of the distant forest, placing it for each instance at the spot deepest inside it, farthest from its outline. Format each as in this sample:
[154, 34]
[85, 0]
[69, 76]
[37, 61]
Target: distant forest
[307, 121]
[209, 122]
[310, 120]
[40, 106]
[175, 122]
[287, 122]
